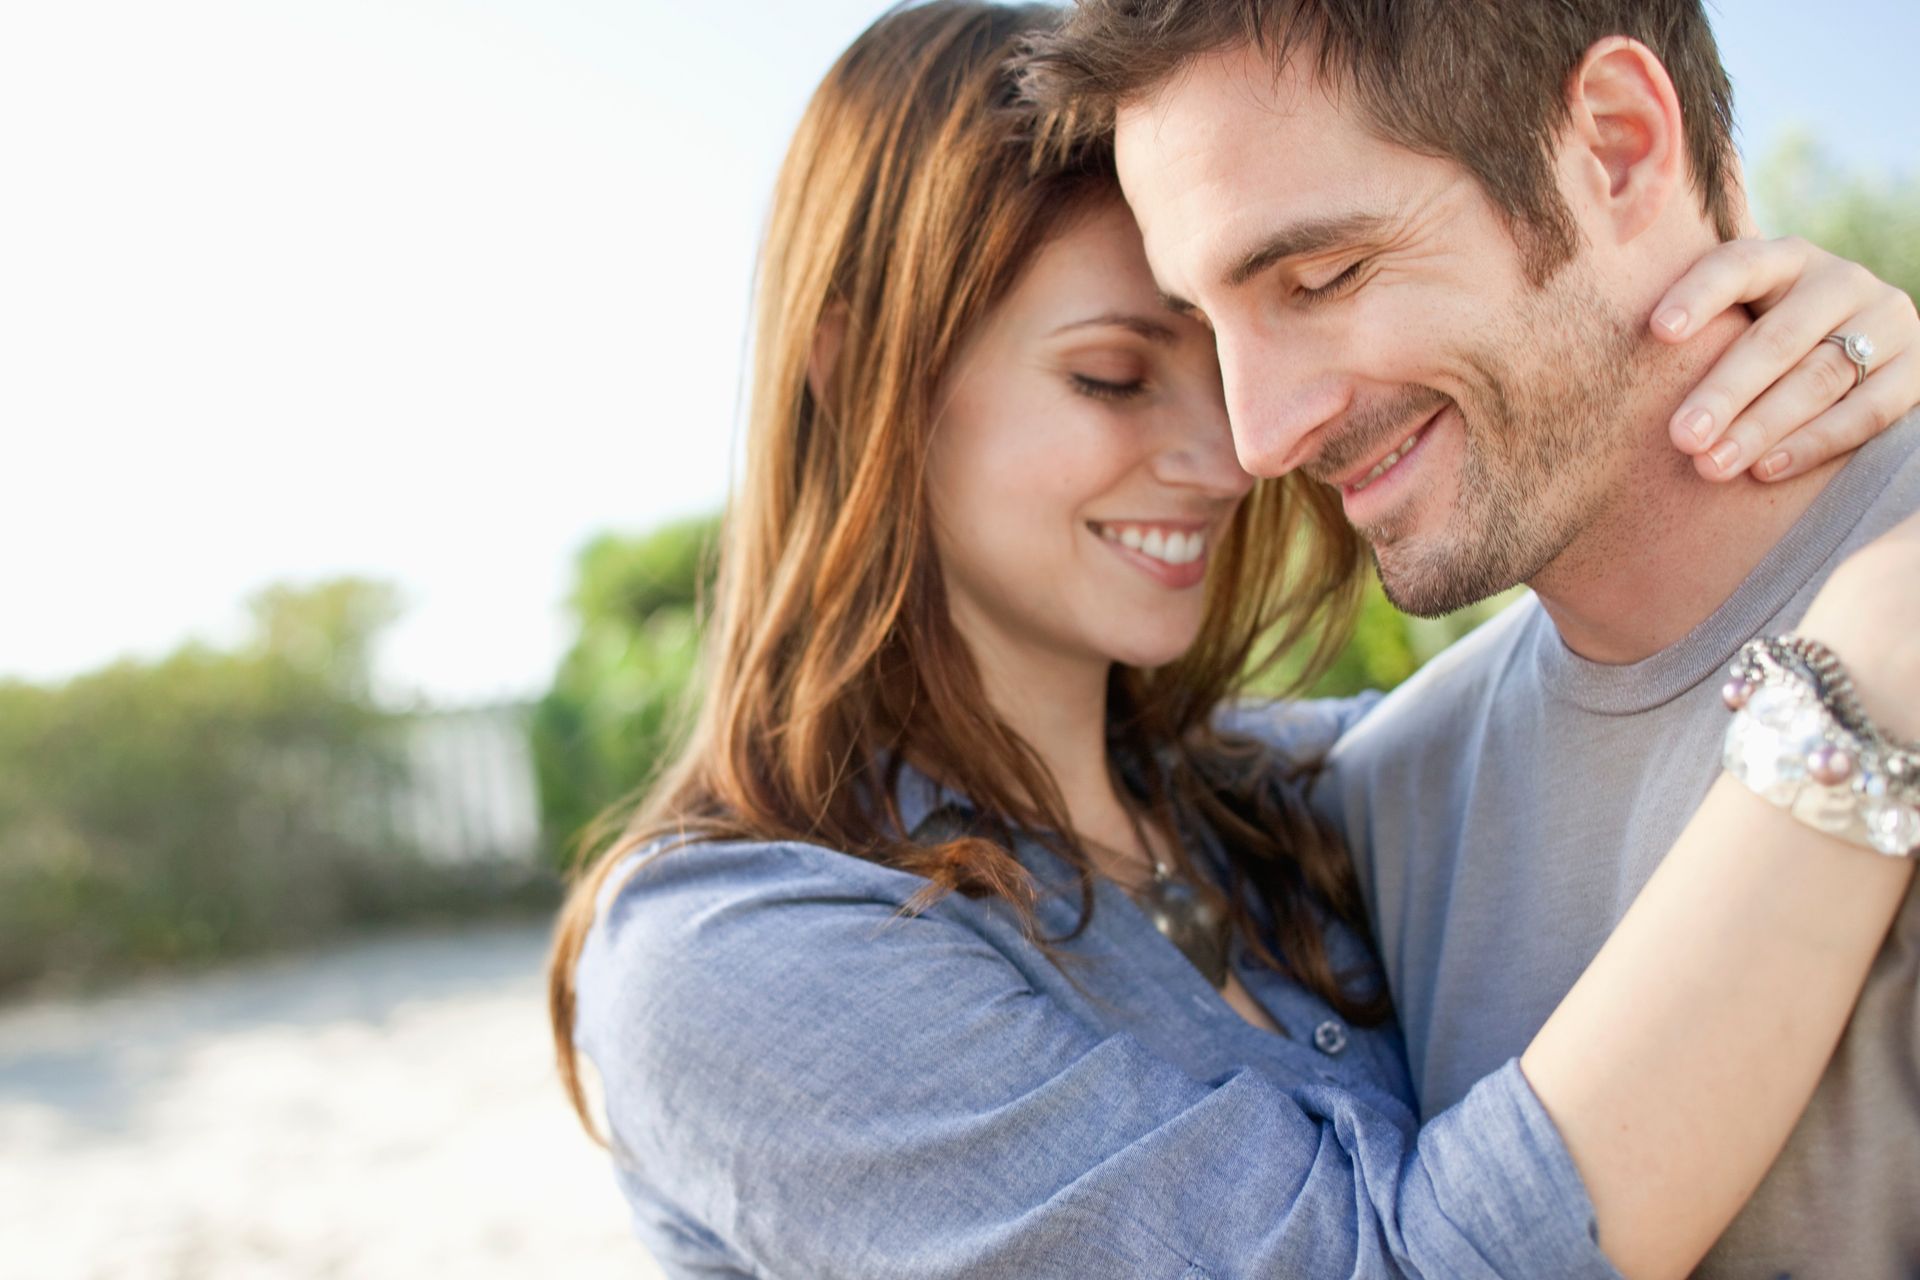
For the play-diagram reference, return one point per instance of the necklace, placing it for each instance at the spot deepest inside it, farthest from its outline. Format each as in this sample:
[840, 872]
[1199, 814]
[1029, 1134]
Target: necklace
[1188, 919]
[1184, 916]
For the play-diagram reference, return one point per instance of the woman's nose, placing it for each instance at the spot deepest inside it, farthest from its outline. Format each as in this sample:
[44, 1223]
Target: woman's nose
[1196, 451]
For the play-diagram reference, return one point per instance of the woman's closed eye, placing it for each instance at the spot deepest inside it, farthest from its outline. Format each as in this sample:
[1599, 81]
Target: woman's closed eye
[1105, 389]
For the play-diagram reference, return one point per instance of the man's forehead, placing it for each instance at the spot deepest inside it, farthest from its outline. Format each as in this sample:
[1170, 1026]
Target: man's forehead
[1225, 150]
[1227, 91]
[1228, 121]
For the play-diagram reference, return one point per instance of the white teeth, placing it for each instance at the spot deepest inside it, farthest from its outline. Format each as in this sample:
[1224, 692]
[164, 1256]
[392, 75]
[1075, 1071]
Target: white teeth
[1167, 546]
[1381, 467]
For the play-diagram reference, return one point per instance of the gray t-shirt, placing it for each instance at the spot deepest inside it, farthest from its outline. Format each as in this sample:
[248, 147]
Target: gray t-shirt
[1506, 805]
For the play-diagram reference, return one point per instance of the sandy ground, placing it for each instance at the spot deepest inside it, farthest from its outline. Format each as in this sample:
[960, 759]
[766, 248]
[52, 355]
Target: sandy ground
[383, 1109]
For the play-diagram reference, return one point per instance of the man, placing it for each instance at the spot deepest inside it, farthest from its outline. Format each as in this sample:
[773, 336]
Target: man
[1428, 236]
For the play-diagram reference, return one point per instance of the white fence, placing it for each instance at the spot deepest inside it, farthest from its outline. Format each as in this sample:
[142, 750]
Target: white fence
[470, 792]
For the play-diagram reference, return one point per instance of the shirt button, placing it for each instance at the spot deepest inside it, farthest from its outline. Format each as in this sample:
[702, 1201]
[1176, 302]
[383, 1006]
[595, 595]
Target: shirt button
[1330, 1037]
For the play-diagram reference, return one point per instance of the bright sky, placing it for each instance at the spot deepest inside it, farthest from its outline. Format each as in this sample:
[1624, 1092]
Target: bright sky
[434, 290]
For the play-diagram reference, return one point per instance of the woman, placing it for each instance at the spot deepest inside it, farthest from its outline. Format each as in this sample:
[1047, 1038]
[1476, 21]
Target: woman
[874, 980]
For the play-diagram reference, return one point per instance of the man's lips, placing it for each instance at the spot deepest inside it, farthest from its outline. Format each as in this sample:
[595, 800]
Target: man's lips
[1355, 478]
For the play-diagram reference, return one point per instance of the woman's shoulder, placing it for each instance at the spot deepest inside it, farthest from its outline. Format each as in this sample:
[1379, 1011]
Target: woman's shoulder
[687, 927]
[716, 957]
[684, 913]
[680, 888]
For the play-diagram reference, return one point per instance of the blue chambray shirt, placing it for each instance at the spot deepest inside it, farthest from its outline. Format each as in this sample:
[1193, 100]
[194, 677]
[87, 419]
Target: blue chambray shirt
[801, 1081]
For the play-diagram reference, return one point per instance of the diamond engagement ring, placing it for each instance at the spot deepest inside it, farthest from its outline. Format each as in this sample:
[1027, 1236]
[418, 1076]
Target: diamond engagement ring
[1859, 349]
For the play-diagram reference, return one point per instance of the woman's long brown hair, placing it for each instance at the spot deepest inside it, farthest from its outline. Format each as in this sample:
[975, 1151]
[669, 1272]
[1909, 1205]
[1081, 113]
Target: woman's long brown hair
[912, 197]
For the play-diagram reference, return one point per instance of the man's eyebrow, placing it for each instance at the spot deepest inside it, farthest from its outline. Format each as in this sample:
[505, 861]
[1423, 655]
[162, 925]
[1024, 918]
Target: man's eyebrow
[1309, 236]
[1146, 326]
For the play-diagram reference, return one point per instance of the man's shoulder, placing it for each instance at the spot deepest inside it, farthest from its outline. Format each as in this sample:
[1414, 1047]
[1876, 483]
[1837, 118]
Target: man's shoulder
[1877, 489]
[1899, 497]
[1455, 684]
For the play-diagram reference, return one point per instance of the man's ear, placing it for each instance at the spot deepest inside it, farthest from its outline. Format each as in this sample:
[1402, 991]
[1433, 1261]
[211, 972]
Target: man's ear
[1749, 228]
[1628, 147]
[825, 355]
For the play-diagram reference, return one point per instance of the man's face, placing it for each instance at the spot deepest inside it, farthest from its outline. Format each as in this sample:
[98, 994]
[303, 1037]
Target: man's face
[1377, 330]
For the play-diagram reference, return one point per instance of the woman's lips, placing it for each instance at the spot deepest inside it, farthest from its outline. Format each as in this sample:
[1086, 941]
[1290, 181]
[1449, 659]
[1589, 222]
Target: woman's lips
[1172, 554]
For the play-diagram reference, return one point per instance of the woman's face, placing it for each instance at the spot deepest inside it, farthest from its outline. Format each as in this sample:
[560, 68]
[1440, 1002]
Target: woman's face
[1082, 466]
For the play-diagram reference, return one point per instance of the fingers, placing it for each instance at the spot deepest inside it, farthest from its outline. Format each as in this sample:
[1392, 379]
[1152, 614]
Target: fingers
[1817, 384]
[1888, 392]
[1780, 401]
[1785, 431]
[1814, 385]
[1776, 345]
[1732, 273]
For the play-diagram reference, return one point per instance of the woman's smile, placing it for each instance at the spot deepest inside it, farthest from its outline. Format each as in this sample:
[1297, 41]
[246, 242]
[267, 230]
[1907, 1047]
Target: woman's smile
[1171, 553]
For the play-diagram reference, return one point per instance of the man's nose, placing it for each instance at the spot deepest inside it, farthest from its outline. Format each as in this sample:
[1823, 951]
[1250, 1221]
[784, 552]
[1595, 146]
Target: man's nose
[1278, 397]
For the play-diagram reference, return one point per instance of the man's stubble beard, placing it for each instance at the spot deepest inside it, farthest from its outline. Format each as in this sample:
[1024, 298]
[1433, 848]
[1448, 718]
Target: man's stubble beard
[1542, 445]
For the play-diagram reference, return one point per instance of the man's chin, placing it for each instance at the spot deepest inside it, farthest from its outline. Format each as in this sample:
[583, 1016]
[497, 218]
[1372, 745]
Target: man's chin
[1431, 582]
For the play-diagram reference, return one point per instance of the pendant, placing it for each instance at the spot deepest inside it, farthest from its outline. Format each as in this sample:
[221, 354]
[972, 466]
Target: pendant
[1190, 922]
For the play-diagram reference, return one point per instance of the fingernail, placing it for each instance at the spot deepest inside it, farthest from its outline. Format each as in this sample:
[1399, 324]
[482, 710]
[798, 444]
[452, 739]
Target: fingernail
[1724, 454]
[1673, 320]
[1774, 463]
[1695, 422]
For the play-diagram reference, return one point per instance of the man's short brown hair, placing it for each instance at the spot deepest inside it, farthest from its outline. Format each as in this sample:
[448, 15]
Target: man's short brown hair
[1479, 82]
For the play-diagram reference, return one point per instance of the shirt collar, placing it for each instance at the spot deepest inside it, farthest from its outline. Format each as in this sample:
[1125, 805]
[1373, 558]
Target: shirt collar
[917, 796]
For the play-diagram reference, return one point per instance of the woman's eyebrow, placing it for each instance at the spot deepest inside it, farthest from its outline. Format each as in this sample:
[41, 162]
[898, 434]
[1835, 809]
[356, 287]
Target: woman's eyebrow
[1181, 307]
[1153, 330]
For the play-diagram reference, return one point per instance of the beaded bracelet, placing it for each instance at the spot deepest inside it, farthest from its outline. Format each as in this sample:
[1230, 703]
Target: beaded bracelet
[1800, 740]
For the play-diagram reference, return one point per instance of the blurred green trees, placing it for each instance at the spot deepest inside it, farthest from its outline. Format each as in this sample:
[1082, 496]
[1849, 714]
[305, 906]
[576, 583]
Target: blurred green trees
[1799, 189]
[207, 803]
[1388, 645]
[619, 696]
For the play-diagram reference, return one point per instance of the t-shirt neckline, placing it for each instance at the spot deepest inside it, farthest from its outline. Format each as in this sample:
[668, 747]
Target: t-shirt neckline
[1814, 538]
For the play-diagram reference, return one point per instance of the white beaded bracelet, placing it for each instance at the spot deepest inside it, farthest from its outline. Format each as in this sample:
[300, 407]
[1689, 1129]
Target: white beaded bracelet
[1800, 740]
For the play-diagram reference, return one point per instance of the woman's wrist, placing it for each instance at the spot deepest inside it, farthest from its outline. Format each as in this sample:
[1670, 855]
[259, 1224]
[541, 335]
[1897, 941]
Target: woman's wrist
[1880, 653]
[1801, 740]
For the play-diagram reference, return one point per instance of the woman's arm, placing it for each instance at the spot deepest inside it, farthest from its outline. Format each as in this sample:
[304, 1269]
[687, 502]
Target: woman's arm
[1296, 729]
[833, 1089]
[1681, 1060]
